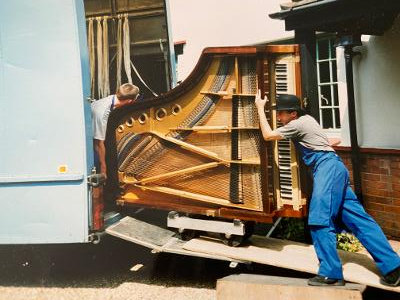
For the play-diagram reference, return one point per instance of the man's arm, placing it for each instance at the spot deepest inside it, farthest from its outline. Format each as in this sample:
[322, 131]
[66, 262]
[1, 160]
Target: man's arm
[334, 141]
[100, 149]
[267, 132]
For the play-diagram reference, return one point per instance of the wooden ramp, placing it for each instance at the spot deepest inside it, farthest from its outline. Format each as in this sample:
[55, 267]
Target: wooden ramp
[156, 238]
[259, 287]
[359, 268]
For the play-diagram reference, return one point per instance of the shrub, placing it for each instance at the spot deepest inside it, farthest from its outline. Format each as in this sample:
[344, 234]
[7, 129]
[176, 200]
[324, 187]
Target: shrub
[348, 242]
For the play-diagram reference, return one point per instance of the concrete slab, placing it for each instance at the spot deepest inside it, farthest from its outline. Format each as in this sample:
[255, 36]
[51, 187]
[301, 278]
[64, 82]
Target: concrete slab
[254, 287]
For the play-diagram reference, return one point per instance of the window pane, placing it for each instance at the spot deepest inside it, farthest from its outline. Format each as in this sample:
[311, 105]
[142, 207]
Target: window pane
[337, 117]
[334, 71]
[327, 121]
[335, 95]
[324, 73]
[323, 49]
[333, 48]
[325, 96]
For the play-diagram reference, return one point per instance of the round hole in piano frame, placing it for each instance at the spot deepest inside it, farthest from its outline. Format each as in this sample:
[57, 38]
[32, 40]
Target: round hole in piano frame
[121, 128]
[161, 113]
[143, 118]
[176, 109]
[130, 122]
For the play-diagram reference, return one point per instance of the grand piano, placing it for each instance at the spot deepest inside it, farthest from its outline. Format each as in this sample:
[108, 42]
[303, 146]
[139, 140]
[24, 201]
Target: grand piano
[198, 149]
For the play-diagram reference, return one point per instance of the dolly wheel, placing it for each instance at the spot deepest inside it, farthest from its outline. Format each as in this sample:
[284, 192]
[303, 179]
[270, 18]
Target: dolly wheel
[188, 234]
[237, 240]
[232, 240]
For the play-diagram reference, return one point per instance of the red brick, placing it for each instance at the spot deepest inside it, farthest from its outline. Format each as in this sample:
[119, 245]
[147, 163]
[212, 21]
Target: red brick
[376, 170]
[392, 233]
[391, 224]
[380, 222]
[373, 214]
[371, 176]
[392, 230]
[384, 163]
[349, 166]
[392, 209]
[375, 206]
[376, 192]
[396, 195]
[369, 198]
[396, 187]
[381, 188]
[372, 162]
[383, 216]
[369, 184]
[395, 165]
[385, 178]
[381, 200]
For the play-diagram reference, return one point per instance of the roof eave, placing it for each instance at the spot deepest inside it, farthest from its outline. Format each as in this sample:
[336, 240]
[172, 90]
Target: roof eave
[374, 18]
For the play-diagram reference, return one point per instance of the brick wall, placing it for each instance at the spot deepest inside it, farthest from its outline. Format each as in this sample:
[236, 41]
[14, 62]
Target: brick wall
[380, 175]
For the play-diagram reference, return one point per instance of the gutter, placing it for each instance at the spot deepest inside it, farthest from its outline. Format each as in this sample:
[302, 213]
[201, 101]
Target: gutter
[299, 9]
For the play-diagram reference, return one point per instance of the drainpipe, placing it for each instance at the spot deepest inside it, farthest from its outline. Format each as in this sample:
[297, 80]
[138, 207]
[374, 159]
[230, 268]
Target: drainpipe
[349, 42]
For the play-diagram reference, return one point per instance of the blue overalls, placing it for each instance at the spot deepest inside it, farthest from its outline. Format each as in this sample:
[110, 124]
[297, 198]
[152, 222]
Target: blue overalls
[333, 203]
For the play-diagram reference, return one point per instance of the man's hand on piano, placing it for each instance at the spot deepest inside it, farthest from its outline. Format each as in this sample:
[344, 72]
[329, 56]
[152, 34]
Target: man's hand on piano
[260, 102]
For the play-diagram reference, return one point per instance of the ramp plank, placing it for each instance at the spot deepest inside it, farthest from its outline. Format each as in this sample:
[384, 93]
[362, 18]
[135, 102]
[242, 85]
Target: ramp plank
[257, 287]
[140, 232]
[357, 267]
[156, 238]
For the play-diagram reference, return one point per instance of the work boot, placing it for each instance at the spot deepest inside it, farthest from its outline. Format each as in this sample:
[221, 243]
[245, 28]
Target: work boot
[392, 278]
[325, 281]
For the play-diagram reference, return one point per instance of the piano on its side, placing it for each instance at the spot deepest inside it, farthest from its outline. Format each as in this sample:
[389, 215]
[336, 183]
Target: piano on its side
[198, 149]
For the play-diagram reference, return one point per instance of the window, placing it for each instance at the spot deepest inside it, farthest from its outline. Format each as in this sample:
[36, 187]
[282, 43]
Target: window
[327, 84]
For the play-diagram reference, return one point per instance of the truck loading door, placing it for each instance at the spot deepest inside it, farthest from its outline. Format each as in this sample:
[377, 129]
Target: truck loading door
[45, 135]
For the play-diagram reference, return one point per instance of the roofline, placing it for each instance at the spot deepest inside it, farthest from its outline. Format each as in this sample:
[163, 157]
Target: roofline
[372, 17]
[298, 9]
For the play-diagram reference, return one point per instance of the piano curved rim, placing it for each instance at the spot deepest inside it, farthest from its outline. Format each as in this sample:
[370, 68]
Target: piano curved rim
[202, 66]
[195, 76]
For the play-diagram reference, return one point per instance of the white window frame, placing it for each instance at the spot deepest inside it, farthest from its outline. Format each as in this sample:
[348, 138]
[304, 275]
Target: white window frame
[334, 132]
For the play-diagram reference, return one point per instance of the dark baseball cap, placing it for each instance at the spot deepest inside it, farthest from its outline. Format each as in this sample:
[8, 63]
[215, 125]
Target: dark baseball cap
[287, 102]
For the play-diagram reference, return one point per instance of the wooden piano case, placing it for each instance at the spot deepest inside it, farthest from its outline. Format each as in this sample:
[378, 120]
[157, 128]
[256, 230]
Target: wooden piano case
[198, 148]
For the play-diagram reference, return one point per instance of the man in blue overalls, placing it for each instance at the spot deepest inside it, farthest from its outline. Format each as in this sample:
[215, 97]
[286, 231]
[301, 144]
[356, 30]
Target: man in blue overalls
[333, 202]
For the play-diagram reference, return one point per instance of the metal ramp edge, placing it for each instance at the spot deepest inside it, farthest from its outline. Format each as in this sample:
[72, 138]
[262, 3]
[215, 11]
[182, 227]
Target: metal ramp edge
[157, 239]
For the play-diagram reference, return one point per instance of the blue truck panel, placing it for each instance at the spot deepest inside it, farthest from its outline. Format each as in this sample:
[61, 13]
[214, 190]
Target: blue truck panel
[45, 130]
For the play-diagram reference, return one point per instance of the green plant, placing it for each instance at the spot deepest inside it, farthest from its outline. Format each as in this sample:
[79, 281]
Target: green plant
[291, 229]
[348, 242]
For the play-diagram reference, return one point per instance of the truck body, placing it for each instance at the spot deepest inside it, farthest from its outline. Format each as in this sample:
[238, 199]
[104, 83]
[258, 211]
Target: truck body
[45, 131]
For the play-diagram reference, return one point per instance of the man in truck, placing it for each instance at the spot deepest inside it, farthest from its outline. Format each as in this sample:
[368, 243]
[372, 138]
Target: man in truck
[333, 202]
[126, 94]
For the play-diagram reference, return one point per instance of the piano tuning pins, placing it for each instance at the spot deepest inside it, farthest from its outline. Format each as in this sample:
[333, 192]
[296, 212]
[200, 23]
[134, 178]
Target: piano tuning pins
[121, 128]
[176, 109]
[161, 113]
[143, 118]
[130, 122]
